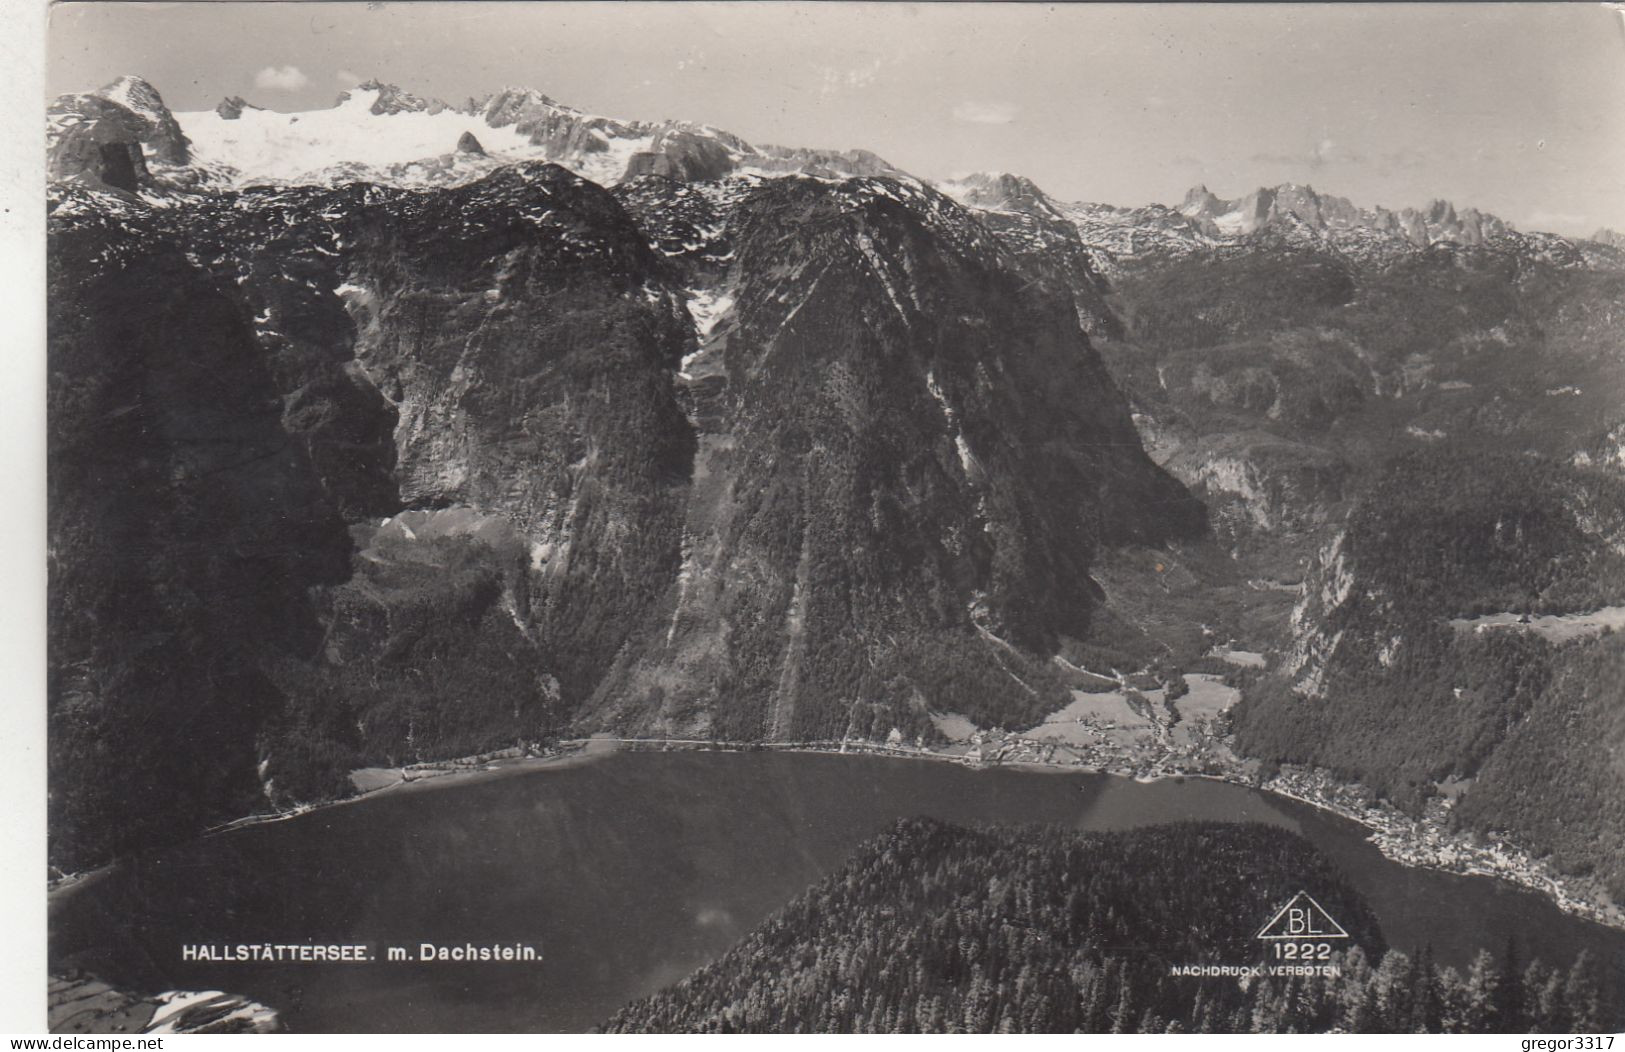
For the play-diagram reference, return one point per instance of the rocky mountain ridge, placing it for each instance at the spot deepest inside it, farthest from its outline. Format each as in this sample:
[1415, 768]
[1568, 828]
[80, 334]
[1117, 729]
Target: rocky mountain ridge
[1287, 216]
[380, 133]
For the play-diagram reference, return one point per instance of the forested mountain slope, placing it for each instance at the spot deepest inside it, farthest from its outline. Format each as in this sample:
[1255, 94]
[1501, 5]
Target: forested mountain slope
[933, 928]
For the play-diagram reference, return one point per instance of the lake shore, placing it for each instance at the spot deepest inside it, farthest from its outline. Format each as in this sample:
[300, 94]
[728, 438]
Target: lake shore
[1421, 843]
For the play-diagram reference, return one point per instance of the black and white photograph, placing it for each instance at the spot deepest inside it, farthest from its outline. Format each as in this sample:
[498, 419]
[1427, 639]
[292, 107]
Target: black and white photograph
[829, 518]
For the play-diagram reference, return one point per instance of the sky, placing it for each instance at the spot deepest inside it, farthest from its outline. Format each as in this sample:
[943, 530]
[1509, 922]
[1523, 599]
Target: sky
[1517, 109]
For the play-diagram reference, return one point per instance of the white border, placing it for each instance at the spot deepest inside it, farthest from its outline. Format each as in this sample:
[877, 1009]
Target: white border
[22, 530]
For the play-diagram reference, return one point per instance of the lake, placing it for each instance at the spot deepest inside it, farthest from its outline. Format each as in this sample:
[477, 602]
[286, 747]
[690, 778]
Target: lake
[631, 870]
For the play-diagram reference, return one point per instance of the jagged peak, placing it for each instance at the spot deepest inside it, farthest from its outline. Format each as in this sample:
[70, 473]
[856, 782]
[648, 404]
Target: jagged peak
[529, 92]
[391, 98]
[512, 93]
[137, 95]
[231, 107]
[1000, 191]
[1198, 198]
[1441, 210]
[1317, 207]
[996, 178]
[132, 87]
[159, 130]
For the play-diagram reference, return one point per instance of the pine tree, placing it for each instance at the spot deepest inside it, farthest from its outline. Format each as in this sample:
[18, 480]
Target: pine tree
[1123, 1017]
[1392, 990]
[1204, 1014]
[1582, 995]
[1483, 996]
[979, 1009]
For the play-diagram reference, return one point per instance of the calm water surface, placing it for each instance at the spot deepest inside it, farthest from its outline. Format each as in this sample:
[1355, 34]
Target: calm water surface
[632, 870]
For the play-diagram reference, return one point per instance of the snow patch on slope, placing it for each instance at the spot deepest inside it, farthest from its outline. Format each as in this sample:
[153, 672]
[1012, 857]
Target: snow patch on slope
[967, 459]
[706, 308]
[265, 146]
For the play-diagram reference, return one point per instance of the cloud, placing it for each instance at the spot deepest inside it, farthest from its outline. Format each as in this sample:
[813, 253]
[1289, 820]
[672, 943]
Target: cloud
[985, 112]
[345, 78]
[281, 78]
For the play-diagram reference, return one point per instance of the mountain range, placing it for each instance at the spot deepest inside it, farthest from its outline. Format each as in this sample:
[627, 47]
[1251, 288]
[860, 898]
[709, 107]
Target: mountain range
[405, 430]
[381, 134]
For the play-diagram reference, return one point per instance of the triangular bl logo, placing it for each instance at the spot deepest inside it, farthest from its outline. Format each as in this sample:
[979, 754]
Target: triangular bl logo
[1302, 918]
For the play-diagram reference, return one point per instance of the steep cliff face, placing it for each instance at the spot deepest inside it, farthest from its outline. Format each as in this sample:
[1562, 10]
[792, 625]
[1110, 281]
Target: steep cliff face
[1045, 243]
[157, 129]
[1319, 620]
[522, 329]
[1449, 537]
[185, 522]
[95, 142]
[317, 359]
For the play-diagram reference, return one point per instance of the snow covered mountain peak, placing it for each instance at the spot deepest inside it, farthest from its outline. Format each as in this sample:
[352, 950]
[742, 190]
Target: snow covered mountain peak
[375, 132]
[135, 94]
[381, 133]
[1000, 192]
[124, 137]
[513, 95]
[384, 99]
[160, 132]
